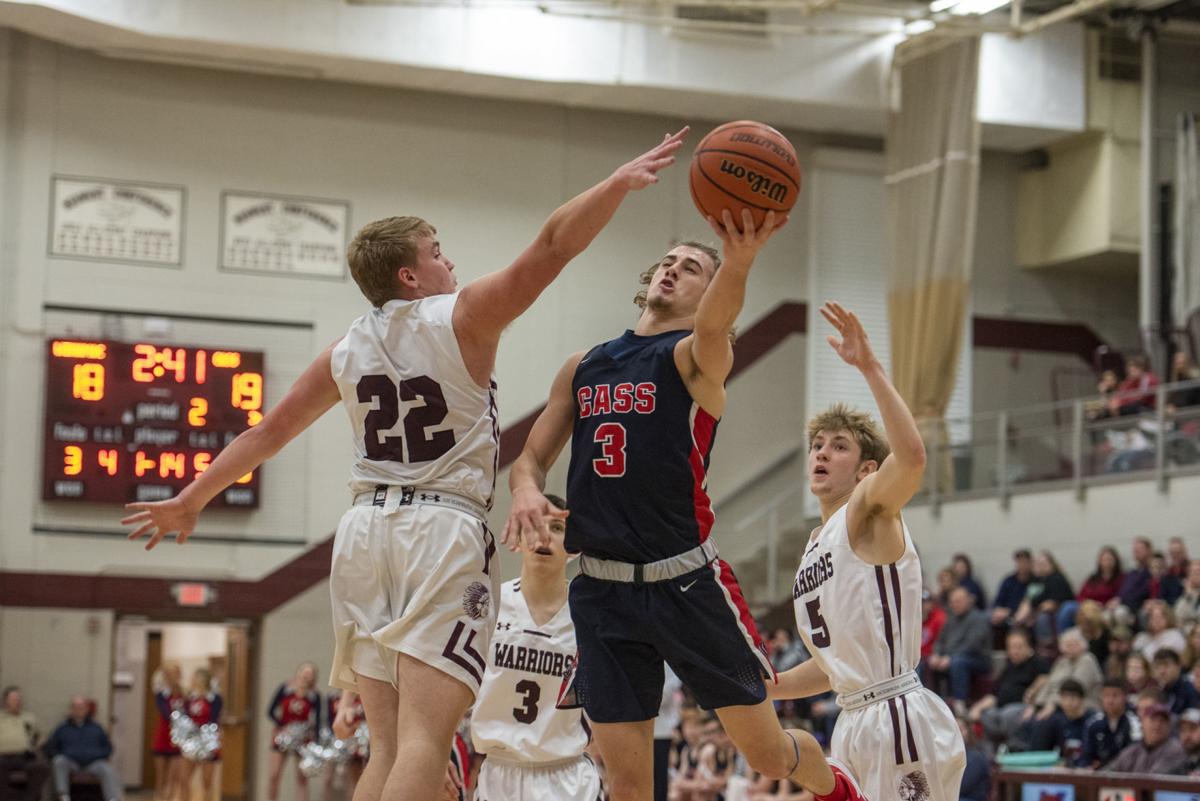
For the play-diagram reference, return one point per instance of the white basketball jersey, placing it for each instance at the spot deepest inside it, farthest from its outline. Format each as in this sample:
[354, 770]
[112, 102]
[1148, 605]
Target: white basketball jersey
[419, 419]
[861, 622]
[515, 717]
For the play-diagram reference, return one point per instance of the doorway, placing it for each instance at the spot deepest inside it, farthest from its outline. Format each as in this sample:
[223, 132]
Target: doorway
[142, 648]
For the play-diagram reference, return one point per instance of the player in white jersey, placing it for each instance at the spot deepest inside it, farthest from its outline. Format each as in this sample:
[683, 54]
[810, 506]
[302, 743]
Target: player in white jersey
[858, 594]
[535, 751]
[412, 580]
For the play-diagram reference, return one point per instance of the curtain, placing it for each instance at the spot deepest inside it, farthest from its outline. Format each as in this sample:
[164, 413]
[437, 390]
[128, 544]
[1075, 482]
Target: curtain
[932, 183]
[1187, 218]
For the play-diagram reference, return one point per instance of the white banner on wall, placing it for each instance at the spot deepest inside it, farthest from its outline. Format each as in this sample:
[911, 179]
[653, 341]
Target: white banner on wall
[119, 221]
[283, 235]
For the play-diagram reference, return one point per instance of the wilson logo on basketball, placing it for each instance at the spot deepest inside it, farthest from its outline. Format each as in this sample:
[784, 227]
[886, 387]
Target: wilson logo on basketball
[759, 184]
[762, 141]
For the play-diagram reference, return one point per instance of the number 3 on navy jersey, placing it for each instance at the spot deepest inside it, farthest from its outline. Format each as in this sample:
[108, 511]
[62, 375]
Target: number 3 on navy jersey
[611, 439]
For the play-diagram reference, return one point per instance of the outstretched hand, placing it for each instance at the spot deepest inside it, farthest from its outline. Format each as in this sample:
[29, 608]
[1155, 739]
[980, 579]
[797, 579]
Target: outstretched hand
[746, 241]
[160, 519]
[853, 347]
[643, 171]
[528, 524]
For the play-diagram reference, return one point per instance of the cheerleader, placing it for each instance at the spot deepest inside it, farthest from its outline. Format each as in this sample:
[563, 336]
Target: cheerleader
[168, 765]
[203, 706]
[295, 701]
[346, 714]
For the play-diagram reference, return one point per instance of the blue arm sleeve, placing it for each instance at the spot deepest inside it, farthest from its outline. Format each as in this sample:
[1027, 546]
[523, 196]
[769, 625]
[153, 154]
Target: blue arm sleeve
[218, 704]
[316, 710]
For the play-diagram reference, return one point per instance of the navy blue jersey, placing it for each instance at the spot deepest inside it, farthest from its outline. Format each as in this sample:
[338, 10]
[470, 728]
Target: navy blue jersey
[639, 453]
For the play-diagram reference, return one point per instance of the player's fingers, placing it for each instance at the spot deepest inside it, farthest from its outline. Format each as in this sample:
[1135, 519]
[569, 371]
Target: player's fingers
[182, 536]
[730, 228]
[747, 224]
[135, 518]
[155, 538]
[828, 315]
[716, 227]
[142, 529]
[138, 505]
[833, 342]
[558, 514]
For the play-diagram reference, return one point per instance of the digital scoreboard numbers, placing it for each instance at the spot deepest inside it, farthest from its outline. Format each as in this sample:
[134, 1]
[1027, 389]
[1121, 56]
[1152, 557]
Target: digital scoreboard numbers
[138, 422]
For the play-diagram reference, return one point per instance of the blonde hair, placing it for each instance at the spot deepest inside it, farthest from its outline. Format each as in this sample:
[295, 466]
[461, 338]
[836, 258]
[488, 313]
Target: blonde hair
[381, 248]
[840, 417]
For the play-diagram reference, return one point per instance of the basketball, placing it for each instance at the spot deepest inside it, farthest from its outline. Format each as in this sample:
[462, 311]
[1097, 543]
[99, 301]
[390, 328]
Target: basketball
[744, 164]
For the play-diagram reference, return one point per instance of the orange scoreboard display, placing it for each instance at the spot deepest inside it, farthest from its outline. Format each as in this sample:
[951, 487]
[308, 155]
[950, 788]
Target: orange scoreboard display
[130, 421]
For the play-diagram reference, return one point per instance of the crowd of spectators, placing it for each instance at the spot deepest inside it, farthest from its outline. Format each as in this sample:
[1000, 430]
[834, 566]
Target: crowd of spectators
[1105, 676]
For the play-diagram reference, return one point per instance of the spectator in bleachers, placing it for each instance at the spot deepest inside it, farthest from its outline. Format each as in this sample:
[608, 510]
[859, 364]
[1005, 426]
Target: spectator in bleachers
[1158, 630]
[1187, 606]
[1191, 654]
[1163, 585]
[977, 777]
[946, 582]
[1158, 752]
[1136, 393]
[1076, 662]
[786, 651]
[1013, 589]
[1189, 738]
[963, 649]
[1048, 590]
[18, 748]
[1064, 728]
[1135, 588]
[1178, 692]
[1101, 586]
[1137, 673]
[1093, 625]
[80, 745]
[964, 575]
[1110, 731]
[1120, 646]
[1182, 369]
[933, 617]
[1106, 388]
[1001, 710]
[1177, 558]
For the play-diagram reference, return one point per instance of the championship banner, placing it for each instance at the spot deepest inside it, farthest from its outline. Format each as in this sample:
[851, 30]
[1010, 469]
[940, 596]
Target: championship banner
[283, 235]
[117, 221]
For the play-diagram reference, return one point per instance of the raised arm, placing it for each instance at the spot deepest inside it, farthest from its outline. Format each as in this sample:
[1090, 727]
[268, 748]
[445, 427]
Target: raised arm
[881, 495]
[489, 304]
[309, 398]
[530, 514]
[705, 357]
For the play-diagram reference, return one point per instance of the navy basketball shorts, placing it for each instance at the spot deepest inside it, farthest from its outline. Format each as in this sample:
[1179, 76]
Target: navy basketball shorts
[698, 623]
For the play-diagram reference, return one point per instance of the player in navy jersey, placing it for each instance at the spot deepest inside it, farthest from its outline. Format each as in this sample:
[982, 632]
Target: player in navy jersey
[641, 412]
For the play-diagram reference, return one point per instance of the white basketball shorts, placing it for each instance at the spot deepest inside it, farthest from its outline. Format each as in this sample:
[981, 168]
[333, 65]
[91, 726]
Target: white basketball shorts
[577, 780]
[420, 580]
[907, 748]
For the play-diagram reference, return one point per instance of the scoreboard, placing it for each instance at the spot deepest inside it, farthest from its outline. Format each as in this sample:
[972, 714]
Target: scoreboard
[138, 422]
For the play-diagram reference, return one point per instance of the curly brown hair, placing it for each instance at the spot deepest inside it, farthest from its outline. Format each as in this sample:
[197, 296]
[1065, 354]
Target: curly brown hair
[840, 417]
[647, 275]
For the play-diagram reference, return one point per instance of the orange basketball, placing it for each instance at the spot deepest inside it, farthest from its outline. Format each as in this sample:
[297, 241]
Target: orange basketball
[744, 164]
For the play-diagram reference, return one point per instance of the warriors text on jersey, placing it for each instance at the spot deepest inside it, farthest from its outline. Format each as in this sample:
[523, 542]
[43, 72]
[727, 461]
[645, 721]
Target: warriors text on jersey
[861, 622]
[637, 427]
[515, 718]
[419, 419]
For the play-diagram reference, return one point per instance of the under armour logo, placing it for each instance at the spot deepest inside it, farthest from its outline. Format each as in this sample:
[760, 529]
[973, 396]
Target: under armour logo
[435, 498]
[505, 626]
[868, 696]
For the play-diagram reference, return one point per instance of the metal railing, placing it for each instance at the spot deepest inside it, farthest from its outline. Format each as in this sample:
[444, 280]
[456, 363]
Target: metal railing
[1075, 443]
